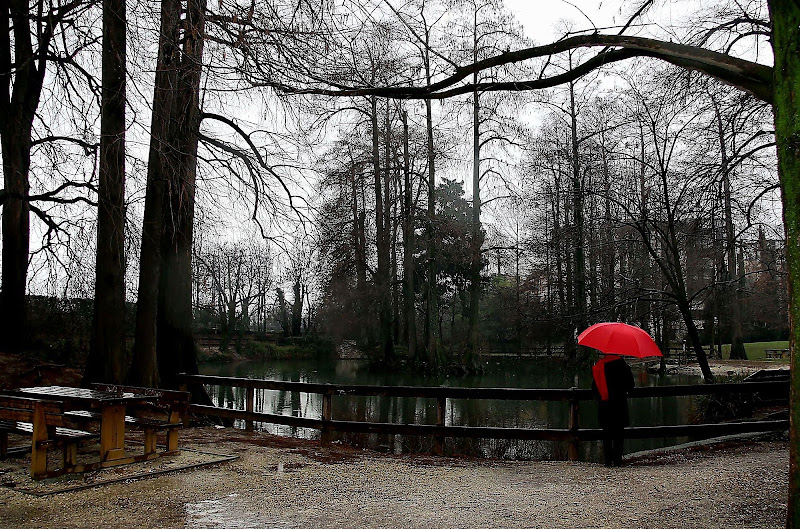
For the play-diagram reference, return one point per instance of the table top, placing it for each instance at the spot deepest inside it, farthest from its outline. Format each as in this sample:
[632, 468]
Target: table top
[67, 393]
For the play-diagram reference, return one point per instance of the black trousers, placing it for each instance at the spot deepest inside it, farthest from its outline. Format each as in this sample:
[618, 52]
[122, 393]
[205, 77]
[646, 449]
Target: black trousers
[613, 417]
[613, 446]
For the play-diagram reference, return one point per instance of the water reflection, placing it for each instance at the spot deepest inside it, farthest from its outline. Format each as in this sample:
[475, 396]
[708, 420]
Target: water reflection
[499, 373]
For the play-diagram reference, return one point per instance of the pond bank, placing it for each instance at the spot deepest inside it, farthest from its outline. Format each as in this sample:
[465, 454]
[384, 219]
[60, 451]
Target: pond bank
[289, 483]
[729, 368]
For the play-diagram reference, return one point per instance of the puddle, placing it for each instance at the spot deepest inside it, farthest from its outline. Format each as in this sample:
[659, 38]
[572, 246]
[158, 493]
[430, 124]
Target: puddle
[228, 513]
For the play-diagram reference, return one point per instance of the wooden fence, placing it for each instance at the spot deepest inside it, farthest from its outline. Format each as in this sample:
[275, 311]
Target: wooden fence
[573, 434]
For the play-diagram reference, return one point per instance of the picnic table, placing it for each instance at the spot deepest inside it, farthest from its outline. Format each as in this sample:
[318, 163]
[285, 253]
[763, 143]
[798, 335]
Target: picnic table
[111, 407]
[776, 353]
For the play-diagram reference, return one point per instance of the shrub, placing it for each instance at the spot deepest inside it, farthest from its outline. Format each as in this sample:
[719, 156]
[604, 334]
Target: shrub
[723, 407]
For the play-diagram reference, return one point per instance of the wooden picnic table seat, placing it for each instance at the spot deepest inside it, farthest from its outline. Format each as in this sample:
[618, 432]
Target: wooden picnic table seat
[167, 413]
[46, 423]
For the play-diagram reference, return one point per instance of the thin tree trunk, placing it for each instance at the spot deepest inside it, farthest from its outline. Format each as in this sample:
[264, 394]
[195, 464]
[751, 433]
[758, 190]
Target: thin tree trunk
[643, 261]
[678, 286]
[389, 229]
[409, 308]
[579, 274]
[432, 319]
[381, 276]
[284, 312]
[694, 339]
[107, 351]
[472, 348]
[732, 285]
[297, 307]
[358, 238]
[607, 235]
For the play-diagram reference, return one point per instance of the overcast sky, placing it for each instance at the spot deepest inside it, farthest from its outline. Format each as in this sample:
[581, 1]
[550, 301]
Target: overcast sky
[540, 18]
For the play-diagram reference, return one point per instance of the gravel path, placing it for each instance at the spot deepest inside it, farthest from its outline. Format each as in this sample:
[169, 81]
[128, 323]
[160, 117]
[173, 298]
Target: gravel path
[296, 484]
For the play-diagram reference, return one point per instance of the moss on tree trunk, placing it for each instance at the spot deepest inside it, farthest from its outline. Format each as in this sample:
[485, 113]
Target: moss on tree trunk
[785, 16]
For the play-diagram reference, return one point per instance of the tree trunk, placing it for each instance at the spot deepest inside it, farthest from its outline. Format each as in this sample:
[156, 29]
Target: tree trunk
[732, 284]
[16, 143]
[107, 351]
[643, 268]
[18, 103]
[385, 345]
[284, 312]
[164, 311]
[578, 311]
[389, 228]
[785, 16]
[177, 352]
[409, 307]
[161, 162]
[359, 238]
[432, 320]
[229, 315]
[608, 254]
[472, 349]
[672, 262]
[297, 307]
[694, 339]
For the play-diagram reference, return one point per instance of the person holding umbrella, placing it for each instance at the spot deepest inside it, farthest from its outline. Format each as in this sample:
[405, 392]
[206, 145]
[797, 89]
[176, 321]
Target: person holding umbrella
[612, 379]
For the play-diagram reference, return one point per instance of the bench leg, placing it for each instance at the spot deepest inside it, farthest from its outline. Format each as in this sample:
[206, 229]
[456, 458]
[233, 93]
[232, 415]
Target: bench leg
[112, 433]
[150, 437]
[39, 451]
[172, 440]
[172, 433]
[70, 455]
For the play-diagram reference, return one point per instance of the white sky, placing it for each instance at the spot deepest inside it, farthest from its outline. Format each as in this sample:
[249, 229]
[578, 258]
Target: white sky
[540, 18]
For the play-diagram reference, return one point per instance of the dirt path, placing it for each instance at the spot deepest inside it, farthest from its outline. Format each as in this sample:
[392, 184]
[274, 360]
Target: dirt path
[294, 484]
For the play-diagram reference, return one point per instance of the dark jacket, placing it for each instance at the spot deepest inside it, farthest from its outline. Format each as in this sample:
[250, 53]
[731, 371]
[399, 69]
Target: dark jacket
[613, 413]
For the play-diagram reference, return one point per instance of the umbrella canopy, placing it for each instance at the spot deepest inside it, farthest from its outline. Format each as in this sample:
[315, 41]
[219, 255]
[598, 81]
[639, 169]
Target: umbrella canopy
[619, 339]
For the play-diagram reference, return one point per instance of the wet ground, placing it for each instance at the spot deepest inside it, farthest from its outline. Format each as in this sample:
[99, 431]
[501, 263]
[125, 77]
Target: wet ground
[286, 483]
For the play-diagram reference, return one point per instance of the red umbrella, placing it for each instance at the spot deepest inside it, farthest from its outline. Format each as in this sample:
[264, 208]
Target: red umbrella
[619, 339]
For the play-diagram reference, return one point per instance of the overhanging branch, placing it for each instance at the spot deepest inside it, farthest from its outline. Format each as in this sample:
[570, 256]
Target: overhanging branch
[750, 76]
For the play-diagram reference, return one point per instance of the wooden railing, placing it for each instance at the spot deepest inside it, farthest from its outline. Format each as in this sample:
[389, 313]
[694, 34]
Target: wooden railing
[573, 434]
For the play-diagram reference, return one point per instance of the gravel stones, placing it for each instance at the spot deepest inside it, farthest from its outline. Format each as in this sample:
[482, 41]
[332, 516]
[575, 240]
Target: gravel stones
[742, 485]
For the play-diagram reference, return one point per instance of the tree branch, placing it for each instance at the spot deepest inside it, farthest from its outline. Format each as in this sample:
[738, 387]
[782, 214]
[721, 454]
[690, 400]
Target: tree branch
[750, 76]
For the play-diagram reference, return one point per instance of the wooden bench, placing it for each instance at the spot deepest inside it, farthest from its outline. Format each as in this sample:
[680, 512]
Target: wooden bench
[46, 423]
[776, 353]
[166, 414]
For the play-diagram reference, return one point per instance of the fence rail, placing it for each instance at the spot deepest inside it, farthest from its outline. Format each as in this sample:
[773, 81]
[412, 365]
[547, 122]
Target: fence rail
[573, 396]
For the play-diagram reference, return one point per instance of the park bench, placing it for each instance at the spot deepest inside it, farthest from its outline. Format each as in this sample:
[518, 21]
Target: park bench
[776, 353]
[165, 414]
[46, 423]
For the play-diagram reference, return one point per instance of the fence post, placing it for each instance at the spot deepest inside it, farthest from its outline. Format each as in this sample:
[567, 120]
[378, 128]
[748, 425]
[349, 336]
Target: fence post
[438, 440]
[325, 436]
[182, 386]
[573, 427]
[248, 406]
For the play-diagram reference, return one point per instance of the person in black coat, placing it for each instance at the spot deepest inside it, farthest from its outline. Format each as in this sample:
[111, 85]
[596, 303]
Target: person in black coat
[612, 379]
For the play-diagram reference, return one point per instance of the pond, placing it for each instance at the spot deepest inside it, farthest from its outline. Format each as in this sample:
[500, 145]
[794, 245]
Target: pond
[499, 372]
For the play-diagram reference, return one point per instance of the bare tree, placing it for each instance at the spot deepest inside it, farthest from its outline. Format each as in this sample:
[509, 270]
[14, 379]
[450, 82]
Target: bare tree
[106, 361]
[35, 32]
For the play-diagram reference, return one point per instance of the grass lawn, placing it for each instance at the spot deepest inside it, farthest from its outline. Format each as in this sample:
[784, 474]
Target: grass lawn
[755, 350]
